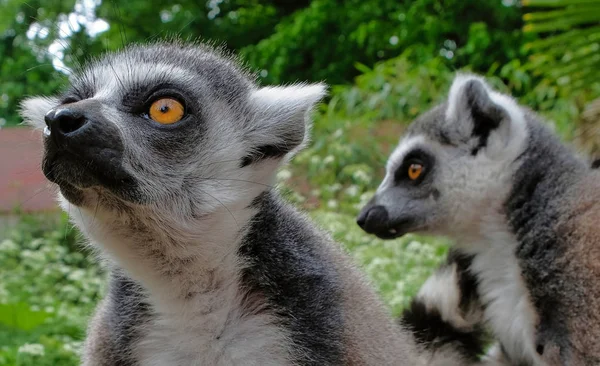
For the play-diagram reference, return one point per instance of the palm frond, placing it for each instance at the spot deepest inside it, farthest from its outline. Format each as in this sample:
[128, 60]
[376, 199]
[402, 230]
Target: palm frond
[567, 49]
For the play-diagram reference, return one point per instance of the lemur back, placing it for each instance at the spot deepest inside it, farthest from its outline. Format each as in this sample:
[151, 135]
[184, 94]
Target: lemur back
[521, 207]
[165, 156]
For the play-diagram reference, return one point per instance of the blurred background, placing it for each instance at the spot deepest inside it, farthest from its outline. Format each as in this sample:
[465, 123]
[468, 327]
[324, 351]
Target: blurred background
[387, 62]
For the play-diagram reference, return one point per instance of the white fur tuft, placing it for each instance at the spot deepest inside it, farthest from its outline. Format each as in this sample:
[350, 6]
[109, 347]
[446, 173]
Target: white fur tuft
[441, 292]
[509, 138]
[282, 114]
[34, 109]
[299, 97]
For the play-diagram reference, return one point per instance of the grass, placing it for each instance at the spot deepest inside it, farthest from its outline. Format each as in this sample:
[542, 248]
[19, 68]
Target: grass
[48, 288]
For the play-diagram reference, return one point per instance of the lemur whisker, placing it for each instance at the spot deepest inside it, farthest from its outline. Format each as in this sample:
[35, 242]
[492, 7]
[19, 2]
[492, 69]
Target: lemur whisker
[66, 229]
[222, 204]
[110, 64]
[82, 220]
[217, 162]
[39, 190]
[240, 180]
[44, 65]
[96, 210]
[123, 34]
[186, 25]
[62, 40]
[35, 194]
[121, 29]
[39, 21]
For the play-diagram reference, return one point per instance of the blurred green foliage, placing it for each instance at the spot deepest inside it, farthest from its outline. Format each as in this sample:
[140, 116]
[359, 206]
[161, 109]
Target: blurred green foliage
[48, 288]
[325, 40]
[284, 41]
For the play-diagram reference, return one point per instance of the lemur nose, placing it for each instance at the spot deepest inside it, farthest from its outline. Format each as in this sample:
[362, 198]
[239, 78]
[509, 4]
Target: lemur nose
[64, 121]
[371, 217]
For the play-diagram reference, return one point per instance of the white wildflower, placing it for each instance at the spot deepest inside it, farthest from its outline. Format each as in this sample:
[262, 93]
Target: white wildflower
[361, 176]
[8, 246]
[33, 349]
[352, 191]
[284, 174]
[328, 159]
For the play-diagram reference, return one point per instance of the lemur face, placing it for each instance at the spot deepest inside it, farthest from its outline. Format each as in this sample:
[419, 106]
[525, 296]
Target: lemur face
[168, 123]
[454, 163]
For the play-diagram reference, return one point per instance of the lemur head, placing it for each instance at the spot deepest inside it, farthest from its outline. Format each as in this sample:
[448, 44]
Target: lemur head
[176, 126]
[453, 166]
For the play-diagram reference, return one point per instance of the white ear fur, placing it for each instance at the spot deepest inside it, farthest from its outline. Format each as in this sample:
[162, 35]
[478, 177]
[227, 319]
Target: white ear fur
[282, 115]
[513, 127]
[34, 109]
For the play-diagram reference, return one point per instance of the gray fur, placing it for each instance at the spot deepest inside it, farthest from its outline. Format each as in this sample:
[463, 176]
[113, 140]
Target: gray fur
[521, 204]
[209, 266]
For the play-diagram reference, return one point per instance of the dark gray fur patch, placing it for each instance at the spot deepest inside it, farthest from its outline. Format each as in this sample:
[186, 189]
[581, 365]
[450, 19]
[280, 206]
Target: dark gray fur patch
[264, 152]
[467, 282]
[485, 113]
[288, 268]
[94, 157]
[221, 71]
[127, 310]
[533, 209]
[432, 124]
[433, 332]
[429, 123]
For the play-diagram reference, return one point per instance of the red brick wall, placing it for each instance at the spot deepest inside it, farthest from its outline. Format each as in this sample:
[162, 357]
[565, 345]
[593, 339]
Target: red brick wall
[22, 184]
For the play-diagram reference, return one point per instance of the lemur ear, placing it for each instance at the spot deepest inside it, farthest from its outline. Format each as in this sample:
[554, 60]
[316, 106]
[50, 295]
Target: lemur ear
[281, 119]
[34, 109]
[478, 111]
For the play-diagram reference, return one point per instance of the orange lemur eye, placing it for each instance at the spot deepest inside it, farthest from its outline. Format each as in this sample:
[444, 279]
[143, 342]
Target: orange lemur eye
[166, 111]
[414, 171]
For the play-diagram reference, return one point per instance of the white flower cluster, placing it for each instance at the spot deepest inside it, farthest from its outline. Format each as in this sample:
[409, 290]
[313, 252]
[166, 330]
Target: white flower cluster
[33, 349]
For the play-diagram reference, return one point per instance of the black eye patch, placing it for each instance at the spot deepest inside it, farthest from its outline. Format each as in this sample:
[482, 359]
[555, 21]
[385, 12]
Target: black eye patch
[416, 156]
[75, 94]
[139, 97]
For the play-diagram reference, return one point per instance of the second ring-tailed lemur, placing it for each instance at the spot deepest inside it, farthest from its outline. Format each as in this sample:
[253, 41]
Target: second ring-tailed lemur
[449, 306]
[523, 210]
[164, 156]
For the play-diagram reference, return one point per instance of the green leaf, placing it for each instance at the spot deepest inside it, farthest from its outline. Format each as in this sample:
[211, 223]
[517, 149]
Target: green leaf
[21, 316]
[556, 3]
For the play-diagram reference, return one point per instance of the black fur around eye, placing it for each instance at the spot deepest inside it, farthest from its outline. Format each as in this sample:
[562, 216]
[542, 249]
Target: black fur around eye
[140, 98]
[69, 99]
[415, 167]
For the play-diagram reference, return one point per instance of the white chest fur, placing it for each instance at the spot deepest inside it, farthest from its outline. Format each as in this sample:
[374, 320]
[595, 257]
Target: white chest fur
[508, 310]
[212, 330]
[201, 315]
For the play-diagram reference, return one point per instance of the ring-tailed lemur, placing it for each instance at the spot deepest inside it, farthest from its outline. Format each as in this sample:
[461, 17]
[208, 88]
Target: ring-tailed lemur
[449, 307]
[164, 156]
[522, 208]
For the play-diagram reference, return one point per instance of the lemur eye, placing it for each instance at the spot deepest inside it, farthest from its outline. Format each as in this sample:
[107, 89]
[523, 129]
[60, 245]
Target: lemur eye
[166, 111]
[414, 171]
